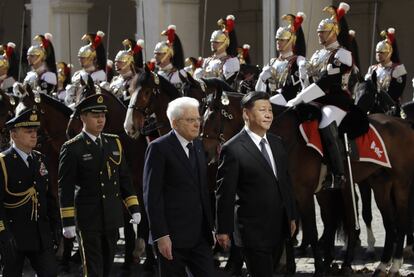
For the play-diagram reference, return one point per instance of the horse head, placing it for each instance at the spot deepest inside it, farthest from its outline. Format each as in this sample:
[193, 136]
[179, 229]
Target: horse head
[7, 107]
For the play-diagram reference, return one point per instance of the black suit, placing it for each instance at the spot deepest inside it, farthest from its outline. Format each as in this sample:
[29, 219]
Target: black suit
[177, 203]
[103, 182]
[27, 221]
[252, 204]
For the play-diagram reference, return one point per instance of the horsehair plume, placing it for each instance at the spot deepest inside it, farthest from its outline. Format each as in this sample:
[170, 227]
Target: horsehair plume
[98, 39]
[139, 46]
[391, 35]
[299, 18]
[48, 36]
[9, 49]
[230, 23]
[342, 10]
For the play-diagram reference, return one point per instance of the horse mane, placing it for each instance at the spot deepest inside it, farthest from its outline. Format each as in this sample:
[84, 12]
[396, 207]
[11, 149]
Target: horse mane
[56, 104]
[169, 88]
[218, 83]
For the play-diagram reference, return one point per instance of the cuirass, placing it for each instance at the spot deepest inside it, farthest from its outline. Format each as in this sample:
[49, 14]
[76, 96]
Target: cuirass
[117, 85]
[383, 78]
[318, 63]
[214, 68]
[280, 72]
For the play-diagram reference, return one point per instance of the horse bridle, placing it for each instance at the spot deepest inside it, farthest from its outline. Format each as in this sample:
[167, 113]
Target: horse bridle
[224, 114]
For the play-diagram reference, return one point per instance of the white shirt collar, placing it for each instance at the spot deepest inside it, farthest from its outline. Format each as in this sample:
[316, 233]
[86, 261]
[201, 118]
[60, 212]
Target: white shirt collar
[181, 139]
[21, 153]
[93, 138]
[255, 137]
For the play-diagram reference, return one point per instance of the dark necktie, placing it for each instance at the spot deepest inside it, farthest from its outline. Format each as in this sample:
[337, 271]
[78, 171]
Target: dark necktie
[264, 152]
[31, 163]
[98, 142]
[191, 155]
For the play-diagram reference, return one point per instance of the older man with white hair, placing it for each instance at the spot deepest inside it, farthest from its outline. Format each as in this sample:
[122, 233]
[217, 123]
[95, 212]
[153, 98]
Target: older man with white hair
[176, 195]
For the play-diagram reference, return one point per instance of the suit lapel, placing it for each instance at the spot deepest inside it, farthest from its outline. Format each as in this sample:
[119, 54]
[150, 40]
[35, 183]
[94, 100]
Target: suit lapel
[275, 152]
[178, 149]
[255, 152]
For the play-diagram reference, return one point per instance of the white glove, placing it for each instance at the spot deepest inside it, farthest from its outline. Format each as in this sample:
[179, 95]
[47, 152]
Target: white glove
[293, 102]
[136, 218]
[266, 73]
[69, 232]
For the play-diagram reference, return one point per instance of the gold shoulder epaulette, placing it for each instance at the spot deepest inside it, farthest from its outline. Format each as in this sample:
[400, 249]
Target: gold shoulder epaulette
[72, 140]
[110, 135]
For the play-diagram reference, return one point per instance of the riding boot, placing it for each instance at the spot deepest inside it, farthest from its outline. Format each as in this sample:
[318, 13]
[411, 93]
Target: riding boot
[332, 151]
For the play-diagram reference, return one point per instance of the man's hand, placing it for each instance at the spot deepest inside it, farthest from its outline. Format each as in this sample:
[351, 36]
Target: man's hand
[165, 247]
[292, 227]
[223, 240]
[136, 218]
[69, 232]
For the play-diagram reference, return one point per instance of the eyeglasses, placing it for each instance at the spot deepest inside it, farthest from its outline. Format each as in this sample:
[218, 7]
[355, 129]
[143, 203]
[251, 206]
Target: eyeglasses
[192, 120]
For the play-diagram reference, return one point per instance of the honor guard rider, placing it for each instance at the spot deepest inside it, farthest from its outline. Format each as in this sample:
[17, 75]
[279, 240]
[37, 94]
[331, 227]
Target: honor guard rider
[28, 211]
[41, 57]
[94, 184]
[283, 76]
[224, 62]
[92, 58]
[9, 67]
[388, 75]
[128, 63]
[64, 76]
[169, 57]
[243, 54]
[328, 72]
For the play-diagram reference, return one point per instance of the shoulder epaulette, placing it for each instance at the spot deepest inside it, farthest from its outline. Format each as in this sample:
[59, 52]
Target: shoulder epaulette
[72, 140]
[110, 135]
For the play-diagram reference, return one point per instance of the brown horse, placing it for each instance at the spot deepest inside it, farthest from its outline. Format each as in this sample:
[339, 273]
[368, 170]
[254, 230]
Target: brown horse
[7, 107]
[391, 189]
[152, 93]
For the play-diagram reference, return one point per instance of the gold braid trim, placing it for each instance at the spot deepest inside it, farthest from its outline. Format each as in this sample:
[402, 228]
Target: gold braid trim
[130, 201]
[120, 153]
[2, 228]
[67, 212]
[29, 194]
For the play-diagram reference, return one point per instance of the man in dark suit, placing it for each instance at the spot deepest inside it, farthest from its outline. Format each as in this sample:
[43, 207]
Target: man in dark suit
[176, 195]
[255, 203]
[94, 163]
[27, 209]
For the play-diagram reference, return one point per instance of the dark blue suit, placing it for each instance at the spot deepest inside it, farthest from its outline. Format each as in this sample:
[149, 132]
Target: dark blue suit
[177, 203]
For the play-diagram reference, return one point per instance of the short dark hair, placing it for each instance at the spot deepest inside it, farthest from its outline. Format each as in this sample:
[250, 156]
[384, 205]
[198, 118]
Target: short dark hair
[251, 97]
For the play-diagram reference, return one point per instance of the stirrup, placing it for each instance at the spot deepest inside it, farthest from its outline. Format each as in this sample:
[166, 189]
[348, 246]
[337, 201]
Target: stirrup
[334, 181]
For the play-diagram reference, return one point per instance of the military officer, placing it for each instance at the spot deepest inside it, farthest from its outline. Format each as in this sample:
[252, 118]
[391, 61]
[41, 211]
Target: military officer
[127, 63]
[92, 58]
[169, 57]
[93, 162]
[328, 72]
[283, 76]
[224, 62]
[9, 67]
[389, 74]
[41, 57]
[27, 211]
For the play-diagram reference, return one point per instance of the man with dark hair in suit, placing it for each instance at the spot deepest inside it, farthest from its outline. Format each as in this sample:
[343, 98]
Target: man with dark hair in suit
[255, 202]
[28, 211]
[176, 195]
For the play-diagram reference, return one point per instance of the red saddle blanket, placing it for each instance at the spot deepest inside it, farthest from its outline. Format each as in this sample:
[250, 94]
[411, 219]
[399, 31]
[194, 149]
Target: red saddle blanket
[371, 147]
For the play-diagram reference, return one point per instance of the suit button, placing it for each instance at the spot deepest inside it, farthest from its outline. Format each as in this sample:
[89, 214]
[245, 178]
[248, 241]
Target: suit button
[20, 182]
[34, 182]
[115, 183]
[103, 196]
[102, 184]
[100, 172]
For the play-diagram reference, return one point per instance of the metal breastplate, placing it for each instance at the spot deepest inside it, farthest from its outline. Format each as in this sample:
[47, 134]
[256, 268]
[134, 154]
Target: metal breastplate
[214, 68]
[318, 63]
[117, 86]
[383, 78]
[280, 72]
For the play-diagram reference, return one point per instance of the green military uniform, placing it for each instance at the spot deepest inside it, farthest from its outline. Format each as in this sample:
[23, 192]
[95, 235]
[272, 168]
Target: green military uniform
[27, 210]
[94, 183]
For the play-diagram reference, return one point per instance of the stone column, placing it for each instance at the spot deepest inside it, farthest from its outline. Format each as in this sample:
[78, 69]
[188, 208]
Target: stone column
[269, 30]
[70, 21]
